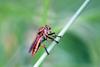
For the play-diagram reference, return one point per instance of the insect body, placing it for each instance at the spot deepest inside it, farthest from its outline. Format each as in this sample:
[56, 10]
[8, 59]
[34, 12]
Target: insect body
[44, 33]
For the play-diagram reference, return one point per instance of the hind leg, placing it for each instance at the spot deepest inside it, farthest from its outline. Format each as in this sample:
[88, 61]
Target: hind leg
[45, 49]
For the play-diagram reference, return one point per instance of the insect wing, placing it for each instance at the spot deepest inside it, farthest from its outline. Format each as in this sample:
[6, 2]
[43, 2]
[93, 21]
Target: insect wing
[32, 46]
[34, 43]
[33, 49]
[36, 47]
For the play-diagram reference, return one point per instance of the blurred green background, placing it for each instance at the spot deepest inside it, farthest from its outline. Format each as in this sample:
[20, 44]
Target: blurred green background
[19, 23]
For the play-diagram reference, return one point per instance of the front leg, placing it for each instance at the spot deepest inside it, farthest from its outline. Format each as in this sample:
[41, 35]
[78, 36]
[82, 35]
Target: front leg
[51, 33]
[54, 35]
[52, 39]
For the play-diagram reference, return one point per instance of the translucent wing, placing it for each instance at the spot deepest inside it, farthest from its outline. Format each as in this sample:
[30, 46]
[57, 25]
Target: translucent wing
[35, 46]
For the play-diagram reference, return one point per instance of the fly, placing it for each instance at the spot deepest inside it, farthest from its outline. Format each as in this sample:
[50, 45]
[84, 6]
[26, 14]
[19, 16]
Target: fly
[43, 34]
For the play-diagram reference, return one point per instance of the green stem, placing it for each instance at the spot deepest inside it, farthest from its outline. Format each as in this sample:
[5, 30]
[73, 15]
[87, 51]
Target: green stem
[45, 12]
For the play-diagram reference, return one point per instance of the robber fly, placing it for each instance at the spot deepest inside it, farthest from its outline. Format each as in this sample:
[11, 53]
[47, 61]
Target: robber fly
[43, 34]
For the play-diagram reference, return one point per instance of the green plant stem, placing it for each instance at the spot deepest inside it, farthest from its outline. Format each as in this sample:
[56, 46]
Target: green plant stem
[45, 11]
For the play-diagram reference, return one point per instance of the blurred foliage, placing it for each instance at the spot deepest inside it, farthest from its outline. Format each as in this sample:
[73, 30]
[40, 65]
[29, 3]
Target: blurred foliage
[19, 23]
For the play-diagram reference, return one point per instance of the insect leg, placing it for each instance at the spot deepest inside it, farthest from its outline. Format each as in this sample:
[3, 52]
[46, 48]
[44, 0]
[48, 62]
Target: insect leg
[54, 35]
[52, 39]
[51, 33]
[41, 42]
[45, 49]
[45, 46]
